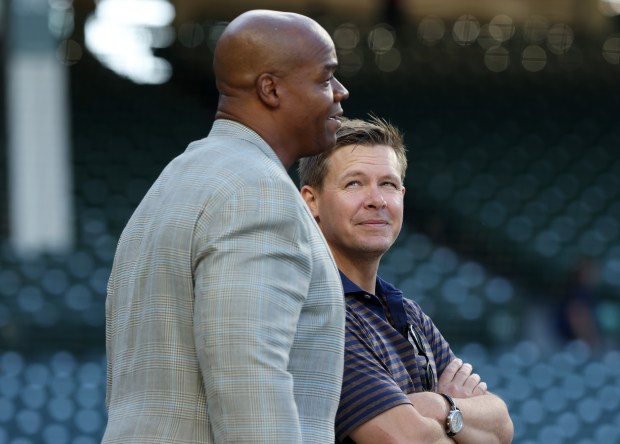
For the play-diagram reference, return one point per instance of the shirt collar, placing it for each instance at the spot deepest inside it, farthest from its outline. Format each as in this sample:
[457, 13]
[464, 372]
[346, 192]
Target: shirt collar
[382, 287]
[348, 285]
[392, 296]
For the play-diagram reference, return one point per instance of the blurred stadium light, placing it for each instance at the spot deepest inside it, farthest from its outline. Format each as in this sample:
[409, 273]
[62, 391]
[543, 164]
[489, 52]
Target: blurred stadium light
[123, 33]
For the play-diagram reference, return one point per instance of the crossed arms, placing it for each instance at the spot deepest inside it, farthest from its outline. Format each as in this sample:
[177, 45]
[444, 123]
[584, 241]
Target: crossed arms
[485, 415]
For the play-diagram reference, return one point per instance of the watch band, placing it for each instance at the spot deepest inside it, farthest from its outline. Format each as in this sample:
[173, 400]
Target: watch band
[454, 420]
[450, 400]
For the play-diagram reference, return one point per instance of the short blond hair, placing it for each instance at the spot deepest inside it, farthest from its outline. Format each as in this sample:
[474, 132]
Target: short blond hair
[375, 131]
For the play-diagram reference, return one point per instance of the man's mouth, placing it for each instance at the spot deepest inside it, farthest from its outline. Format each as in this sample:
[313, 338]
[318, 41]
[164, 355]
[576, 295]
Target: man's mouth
[336, 116]
[374, 223]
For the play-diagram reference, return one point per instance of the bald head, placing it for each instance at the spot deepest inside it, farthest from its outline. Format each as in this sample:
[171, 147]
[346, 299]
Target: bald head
[275, 74]
[262, 41]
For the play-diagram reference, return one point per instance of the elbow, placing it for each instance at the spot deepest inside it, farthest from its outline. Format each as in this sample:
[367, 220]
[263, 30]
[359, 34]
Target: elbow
[503, 430]
[509, 433]
[506, 435]
[506, 430]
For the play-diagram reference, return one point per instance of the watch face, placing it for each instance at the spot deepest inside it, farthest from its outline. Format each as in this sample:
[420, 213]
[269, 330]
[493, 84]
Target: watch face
[456, 421]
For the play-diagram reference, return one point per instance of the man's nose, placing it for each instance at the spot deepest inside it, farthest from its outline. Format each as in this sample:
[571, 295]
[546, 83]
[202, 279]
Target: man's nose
[375, 198]
[340, 92]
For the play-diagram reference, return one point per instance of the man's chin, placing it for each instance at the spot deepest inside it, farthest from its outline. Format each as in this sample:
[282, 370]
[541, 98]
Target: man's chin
[328, 144]
[332, 126]
[375, 249]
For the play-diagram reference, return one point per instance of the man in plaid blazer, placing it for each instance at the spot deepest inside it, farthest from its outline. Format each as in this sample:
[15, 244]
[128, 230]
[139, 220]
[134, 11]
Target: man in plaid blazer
[224, 314]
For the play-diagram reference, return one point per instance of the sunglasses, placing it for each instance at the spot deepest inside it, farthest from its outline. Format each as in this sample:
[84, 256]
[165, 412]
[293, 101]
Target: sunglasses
[428, 382]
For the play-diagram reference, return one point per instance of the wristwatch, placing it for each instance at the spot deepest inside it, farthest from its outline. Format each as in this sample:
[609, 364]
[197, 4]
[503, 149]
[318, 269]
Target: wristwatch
[454, 421]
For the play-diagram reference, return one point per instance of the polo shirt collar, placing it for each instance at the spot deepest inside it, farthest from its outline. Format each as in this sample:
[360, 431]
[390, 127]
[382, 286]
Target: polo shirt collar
[392, 296]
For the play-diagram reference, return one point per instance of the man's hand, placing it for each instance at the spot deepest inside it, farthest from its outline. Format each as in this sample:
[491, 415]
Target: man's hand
[458, 381]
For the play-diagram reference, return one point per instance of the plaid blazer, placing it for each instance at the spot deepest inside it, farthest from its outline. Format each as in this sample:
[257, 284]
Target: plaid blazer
[225, 311]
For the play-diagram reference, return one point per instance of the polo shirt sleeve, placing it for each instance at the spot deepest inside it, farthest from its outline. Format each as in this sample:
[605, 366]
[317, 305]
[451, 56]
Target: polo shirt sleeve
[368, 389]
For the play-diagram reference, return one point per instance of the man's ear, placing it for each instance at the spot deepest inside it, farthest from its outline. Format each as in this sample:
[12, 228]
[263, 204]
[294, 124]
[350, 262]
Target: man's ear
[310, 196]
[267, 89]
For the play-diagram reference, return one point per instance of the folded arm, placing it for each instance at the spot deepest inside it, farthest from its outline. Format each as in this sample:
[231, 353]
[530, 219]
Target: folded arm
[400, 425]
[485, 415]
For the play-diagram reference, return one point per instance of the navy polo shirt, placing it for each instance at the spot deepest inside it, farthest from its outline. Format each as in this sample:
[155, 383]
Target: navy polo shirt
[381, 366]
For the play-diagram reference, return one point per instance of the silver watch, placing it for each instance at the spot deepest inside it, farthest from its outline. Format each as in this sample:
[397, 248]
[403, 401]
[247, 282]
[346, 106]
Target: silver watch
[454, 421]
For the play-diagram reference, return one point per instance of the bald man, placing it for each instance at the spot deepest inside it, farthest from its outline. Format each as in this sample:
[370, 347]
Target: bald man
[224, 312]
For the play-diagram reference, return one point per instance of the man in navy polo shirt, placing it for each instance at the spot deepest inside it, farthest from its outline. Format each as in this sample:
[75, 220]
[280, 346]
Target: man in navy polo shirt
[402, 382]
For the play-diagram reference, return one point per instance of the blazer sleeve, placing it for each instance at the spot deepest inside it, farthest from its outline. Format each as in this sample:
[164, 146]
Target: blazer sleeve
[252, 275]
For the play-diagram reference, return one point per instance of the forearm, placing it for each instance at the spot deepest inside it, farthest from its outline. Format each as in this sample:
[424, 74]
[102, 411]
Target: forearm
[485, 417]
[401, 425]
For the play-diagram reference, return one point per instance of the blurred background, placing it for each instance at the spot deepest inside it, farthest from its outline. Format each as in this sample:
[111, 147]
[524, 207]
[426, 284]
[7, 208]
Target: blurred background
[511, 240]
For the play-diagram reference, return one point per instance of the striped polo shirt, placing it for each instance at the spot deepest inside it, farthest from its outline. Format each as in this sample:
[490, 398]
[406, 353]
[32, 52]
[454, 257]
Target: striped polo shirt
[381, 365]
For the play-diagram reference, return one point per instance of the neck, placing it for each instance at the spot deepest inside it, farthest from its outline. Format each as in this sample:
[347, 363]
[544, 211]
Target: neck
[252, 114]
[361, 272]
